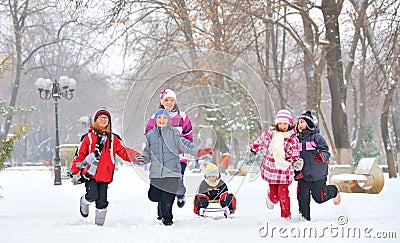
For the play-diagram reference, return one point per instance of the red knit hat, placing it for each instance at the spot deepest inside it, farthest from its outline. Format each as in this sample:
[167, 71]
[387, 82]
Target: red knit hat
[102, 112]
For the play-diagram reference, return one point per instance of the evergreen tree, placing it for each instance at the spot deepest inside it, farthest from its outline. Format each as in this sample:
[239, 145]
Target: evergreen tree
[368, 147]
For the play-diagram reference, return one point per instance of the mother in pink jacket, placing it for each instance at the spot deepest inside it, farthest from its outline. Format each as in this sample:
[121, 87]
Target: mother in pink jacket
[281, 157]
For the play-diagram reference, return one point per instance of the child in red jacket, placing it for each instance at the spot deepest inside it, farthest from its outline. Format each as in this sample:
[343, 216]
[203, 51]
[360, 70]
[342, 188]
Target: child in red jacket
[95, 160]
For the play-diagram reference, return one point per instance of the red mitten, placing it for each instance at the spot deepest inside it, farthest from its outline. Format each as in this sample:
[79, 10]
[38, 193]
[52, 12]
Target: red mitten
[319, 157]
[131, 153]
[205, 151]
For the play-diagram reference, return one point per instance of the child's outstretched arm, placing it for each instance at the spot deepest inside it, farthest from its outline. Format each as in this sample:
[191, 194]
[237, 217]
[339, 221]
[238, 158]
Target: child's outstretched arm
[188, 147]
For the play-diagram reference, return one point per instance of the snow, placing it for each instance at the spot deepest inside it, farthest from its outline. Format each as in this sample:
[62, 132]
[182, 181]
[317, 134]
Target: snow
[32, 209]
[349, 177]
[365, 165]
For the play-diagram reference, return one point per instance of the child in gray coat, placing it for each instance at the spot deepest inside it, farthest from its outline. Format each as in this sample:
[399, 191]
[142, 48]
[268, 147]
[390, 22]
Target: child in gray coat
[163, 144]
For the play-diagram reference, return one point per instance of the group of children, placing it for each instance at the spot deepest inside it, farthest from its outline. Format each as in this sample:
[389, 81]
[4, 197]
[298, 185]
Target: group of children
[290, 153]
[295, 152]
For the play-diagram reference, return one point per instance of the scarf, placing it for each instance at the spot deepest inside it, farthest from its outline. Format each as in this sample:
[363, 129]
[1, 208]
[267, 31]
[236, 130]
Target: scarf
[92, 159]
[277, 149]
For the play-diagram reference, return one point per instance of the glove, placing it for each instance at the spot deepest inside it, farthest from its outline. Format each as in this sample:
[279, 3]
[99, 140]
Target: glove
[70, 174]
[298, 165]
[131, 153]
[319, 157]
[139, 159]
[205, 151]
[251, 153]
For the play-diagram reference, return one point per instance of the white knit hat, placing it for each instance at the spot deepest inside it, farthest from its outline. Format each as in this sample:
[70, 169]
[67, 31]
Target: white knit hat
[283, 116]
[166, 93]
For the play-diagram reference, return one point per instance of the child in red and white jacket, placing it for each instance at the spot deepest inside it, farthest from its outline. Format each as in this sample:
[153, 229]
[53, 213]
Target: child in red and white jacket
[281, 157]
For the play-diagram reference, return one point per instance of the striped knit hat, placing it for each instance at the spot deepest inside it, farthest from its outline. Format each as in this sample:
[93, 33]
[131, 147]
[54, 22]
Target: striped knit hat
[283, 116]
[212, 170]
[308, 118]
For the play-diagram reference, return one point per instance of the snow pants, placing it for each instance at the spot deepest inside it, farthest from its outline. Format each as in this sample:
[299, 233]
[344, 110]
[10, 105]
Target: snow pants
[181, 188]
[280, 193]
[163, 191]
[97, 192]
[225, 200]
[318, 190]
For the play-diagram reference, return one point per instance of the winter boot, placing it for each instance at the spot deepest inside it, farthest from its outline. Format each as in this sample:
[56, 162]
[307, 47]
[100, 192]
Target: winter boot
[337, 199]
[181, 202]
[202, 211]
[84, 206]
[270, 205]
[100, 216]
[167, 222]
[226, 212]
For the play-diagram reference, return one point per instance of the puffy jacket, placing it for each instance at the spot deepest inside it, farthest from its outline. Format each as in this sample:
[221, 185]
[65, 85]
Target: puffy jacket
[311, 143]
[105, 168]
[269, 171]
[180, 121]
[162, 146]
[213, 192]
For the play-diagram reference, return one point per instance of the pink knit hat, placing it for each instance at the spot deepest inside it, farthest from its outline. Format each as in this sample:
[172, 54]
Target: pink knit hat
[283, 116]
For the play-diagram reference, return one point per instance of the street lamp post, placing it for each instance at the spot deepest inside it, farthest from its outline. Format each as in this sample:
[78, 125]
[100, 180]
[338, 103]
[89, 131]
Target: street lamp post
[47, 89]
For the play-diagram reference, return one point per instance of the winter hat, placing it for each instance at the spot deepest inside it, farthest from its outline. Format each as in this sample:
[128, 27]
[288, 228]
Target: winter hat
[283, 116]
[212, 170]
[307, 117]
[106, 113]
[102, 112]
[161, 111]
[166, 93]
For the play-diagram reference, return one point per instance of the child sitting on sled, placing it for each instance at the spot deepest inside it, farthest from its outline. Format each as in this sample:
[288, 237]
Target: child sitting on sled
[213, 189]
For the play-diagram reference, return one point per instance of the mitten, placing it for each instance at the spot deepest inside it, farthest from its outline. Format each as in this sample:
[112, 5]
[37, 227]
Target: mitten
[205, 151]
[70, 174]
[298, 165]
[319, 157]
[139, 159]
[131, 153]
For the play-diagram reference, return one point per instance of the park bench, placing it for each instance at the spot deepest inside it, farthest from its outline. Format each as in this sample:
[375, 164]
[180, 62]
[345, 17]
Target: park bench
[367, 177]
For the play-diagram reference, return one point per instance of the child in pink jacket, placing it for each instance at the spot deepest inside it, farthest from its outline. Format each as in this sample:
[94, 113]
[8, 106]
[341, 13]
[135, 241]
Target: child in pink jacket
[281, 157]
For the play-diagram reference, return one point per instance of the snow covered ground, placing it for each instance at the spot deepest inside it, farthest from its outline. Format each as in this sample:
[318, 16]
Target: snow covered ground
[32, 209]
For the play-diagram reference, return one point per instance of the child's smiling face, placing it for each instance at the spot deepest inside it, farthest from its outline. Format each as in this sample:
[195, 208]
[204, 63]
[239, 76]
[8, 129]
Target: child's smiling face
[283, 126]
[168, 103]
[162, 120]
[302, 125]
[212, 179]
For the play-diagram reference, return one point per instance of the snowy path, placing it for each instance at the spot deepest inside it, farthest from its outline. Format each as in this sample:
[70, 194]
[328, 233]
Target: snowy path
[34, 210]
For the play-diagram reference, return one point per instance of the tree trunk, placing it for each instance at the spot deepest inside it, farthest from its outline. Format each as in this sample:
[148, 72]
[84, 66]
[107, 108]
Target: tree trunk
[309, 70]
[18, 24]
[385, 133]
[396, 124]
[359, 130]
[385, 127]
[330, 10]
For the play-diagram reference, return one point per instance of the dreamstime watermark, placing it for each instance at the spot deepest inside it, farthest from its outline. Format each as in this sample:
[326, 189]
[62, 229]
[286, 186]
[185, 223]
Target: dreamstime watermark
[341, 229]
